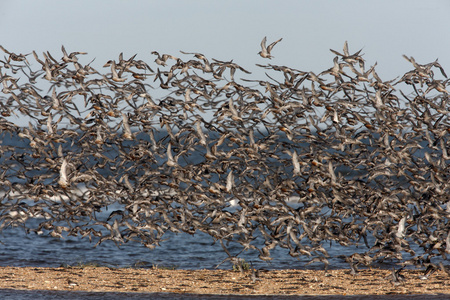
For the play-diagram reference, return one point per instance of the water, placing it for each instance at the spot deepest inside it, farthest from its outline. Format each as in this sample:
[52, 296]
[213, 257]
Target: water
[181, 251]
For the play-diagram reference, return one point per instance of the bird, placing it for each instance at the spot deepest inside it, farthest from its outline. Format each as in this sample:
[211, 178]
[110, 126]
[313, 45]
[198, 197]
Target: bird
[401, 228]
[277, 164]
[255, 274]
[445, 269]
[319, 259]
[127, 134]
[265, 51]
[63, 179]
[354, 270]
[115, 75]
[428, 272]
[396, 277]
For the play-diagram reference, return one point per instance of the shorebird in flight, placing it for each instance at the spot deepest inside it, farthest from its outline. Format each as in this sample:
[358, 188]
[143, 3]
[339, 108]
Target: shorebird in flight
[265, 51]
[63, 176]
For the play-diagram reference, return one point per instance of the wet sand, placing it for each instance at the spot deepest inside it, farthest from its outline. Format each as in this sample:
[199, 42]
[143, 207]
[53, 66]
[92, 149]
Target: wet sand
[221, 282]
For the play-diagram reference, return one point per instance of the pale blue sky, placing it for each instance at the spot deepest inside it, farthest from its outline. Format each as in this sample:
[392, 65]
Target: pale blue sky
[234, 29]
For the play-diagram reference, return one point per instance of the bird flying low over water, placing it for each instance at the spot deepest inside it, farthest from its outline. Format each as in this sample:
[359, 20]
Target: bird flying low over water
[265, 51]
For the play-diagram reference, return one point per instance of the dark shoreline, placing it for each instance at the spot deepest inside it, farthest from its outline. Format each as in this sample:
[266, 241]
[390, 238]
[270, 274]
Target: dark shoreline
[68, 295]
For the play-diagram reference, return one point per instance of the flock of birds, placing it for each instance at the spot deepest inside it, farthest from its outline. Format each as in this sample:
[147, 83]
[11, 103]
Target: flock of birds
[295, 160]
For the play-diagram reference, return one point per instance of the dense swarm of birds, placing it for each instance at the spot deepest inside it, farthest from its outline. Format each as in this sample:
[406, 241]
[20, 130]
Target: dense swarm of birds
[295, 160]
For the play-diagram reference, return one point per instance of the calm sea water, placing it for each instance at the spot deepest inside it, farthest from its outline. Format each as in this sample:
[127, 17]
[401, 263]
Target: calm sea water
[181, 251]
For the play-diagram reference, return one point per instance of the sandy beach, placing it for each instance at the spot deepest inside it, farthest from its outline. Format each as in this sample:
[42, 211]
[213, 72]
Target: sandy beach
[221, 282]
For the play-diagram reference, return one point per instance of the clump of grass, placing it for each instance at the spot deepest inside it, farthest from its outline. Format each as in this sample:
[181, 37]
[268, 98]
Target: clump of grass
[169, 267]
[82, 265]
[241, 265]
[140, 264]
